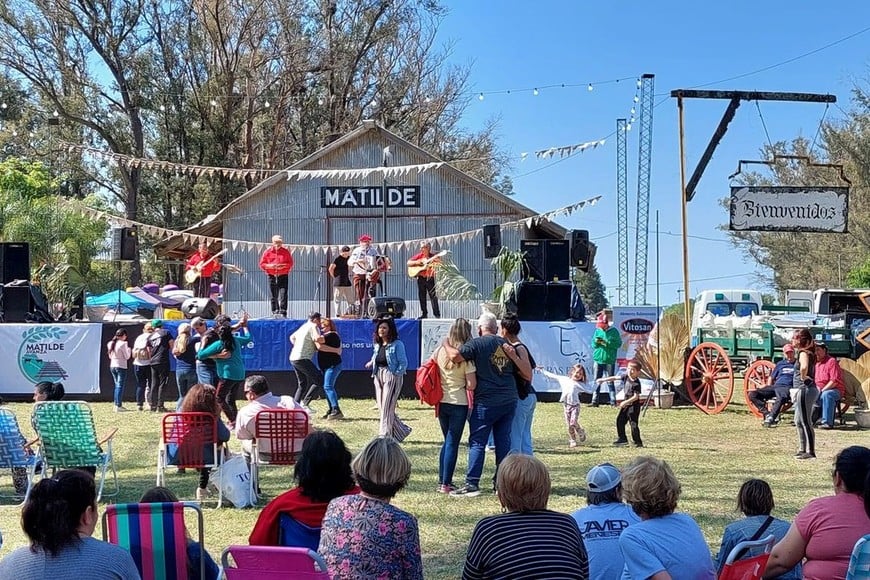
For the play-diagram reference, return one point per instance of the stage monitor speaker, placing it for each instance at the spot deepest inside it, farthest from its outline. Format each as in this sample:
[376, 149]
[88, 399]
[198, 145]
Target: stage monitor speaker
[491, 241]
[531, 300]
[533, 259]
[386, 307]
[14, 261]
[16, 303]
[203, 307]
[580, 250]
[124, 244]
[558, 301]
[556, 260]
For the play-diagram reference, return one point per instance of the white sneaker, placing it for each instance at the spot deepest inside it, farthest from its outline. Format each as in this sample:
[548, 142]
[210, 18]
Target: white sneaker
[120, 409]
[572, 443]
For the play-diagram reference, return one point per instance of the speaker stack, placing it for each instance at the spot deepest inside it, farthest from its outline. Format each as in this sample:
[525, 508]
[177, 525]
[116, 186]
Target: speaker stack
[545, 260]
[202, 307]
[16, 302]
[543, 300]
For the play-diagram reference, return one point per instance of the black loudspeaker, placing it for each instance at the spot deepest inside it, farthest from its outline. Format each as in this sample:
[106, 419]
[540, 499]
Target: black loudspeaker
[16, 303]
[14, 261]
[545, 260]
[558, 301]
[204, 307]
[580, 250]
[386, 306]
[531, 300]
[491, 241]
[533, 259]
[556, 260]
[124, 244]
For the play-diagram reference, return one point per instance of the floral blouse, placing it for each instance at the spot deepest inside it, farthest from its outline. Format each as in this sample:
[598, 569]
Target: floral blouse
[367, 538]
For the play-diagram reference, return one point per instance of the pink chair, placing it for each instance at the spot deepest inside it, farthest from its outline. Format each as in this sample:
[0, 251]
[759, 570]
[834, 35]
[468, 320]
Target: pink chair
[272, 563]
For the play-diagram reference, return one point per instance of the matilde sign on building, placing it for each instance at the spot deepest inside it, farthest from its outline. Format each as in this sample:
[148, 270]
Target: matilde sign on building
[366, 196]
[790, 209]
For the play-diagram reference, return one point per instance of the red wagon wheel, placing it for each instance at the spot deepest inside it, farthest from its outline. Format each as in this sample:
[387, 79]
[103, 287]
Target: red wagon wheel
[709, 378]
[756, 377]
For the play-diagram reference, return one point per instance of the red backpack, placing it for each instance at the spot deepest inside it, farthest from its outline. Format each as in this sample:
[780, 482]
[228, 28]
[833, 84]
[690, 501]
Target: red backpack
[428, 383]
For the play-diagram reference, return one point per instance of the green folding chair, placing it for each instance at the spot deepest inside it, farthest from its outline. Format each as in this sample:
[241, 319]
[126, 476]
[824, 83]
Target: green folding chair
[68, 440]
[15, 452]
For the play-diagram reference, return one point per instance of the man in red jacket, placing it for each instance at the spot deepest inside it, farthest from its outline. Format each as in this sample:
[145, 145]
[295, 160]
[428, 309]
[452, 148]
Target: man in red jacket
[277, 262]
[205, 265]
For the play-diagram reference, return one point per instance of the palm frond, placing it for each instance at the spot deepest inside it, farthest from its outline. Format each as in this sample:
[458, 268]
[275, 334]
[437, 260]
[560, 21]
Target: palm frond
[450, 284]
[670, 337]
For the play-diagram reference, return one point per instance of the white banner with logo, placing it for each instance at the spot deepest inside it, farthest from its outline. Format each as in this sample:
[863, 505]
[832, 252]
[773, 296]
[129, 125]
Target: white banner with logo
[634, 324]
[556, 346]
[66, 353]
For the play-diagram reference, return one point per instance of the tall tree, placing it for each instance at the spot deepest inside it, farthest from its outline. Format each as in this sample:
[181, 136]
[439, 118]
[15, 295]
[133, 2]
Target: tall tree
[592, 290]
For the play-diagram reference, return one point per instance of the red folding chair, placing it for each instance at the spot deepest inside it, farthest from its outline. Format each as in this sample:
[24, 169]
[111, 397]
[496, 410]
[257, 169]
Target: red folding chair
[751, 568]
[278, 436]
[189, 440]
[272, 563]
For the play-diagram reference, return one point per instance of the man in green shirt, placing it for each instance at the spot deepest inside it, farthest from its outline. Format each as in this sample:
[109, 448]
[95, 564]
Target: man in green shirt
[605, 342]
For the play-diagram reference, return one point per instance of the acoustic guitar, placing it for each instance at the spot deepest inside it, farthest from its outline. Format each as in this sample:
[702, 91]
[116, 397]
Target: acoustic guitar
[192, 274]
[414, 271]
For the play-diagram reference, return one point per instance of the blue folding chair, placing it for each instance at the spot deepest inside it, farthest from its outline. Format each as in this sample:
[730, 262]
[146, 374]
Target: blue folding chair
[15, 452]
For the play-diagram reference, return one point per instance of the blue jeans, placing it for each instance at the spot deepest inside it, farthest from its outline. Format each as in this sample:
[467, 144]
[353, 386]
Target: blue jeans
[604, 370]
[484, 420]
[829, 399]
[207, 375]
[521, 427]
[330, 377]
[452, 419]
[143, 382]
[120, 376]
[184, 380]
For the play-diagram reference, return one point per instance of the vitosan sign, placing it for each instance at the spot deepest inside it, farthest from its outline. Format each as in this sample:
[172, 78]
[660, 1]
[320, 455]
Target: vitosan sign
[365, 196]
[790, 209]
[637, 326]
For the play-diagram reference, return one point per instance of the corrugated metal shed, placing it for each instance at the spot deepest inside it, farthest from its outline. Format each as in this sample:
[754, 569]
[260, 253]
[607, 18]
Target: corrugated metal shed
[450, 202]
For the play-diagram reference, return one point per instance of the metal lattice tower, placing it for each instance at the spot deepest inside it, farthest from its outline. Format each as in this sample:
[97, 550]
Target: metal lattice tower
[622, 209]
[644, 158]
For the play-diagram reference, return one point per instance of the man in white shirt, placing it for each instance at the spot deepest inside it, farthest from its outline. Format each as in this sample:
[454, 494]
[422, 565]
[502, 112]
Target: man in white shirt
[362, 261]
[309, 377]
[259, 397]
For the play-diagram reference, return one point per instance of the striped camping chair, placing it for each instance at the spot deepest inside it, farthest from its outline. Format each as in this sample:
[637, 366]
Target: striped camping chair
[14, 451]
[156, 537]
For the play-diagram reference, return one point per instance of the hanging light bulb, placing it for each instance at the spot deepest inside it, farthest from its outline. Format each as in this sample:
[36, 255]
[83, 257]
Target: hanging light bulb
[56, 114]
[590, 87]
[535, 92]
[213, 103]
[638, 83]
[636, 98]
[32, 134]
[162, 108]
[628, 127]
[15, 133]
[480, 96]
[632, 110]
[266, 104]
[3, 106]
[320, 101]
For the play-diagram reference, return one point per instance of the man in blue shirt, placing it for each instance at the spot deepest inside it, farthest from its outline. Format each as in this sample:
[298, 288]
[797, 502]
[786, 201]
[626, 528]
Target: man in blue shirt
[603, 520]
[779, 383]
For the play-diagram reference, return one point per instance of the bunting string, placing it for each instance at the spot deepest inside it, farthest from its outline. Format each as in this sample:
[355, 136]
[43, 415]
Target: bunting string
[195, 239]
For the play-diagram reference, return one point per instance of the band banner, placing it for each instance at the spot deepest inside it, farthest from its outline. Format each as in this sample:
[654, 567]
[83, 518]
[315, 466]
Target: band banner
[50, 352]
[555, 346]
[270, 348]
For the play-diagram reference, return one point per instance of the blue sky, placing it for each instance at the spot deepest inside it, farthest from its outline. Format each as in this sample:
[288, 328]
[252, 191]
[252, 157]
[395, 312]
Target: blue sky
[511, 44]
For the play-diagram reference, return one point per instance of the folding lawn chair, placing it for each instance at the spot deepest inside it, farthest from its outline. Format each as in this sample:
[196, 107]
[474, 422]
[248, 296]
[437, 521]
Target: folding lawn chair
[188, 440]
[859, 561]
[156, 537]
[278, 436]
[68, 439]
[15, 452]
[294, 534]
[750, 568]
[272, 563]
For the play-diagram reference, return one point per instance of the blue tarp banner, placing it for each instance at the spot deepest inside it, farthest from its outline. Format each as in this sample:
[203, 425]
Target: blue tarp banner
[270, 349]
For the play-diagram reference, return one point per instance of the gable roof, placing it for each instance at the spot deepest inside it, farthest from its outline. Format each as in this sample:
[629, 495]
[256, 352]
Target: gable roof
[211, 224]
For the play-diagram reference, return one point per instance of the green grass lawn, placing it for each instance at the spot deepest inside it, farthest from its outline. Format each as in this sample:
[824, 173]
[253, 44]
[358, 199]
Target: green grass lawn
[711, 455]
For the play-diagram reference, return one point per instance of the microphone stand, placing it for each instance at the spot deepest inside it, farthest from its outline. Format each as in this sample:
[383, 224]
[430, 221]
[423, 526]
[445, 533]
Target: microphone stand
[317, 288]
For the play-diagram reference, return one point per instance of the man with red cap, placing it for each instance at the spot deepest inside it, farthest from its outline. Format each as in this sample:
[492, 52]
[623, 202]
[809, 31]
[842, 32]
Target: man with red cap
[778, 386]
[362, 261]
[605, 342]
[277, 262]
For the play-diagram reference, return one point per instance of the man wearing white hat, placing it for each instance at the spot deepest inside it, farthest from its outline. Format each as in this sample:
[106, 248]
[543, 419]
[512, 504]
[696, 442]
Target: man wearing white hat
[277, 262]
[603, 520]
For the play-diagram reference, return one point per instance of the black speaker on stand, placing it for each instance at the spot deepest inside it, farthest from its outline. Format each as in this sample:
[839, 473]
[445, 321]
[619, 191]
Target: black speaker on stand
[556, 260]
[386, 307]
[533, 259]
[124, 244]
[202, 307]
[16, 303]
[582, 251]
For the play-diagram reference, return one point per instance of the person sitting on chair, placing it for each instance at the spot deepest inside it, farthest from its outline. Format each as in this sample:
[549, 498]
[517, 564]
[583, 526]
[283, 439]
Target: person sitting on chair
[259, 398]
[829, 380]
[778, 386]
[322, 473]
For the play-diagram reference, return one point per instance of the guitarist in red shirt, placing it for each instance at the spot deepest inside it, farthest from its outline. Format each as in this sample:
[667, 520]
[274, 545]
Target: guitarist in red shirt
[276, 262]
[426, 279]
[201, 266]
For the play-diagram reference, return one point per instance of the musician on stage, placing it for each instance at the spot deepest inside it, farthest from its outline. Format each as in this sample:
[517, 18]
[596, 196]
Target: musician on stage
[342, 287]
[362, 261]
[426, 279]
[277, 262]
[199, 264]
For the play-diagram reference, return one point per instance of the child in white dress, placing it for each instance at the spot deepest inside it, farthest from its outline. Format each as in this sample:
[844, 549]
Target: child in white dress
[571, 385]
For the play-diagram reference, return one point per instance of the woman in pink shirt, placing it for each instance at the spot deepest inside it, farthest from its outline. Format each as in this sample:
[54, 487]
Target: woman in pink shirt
[119, 353]
[825, 530]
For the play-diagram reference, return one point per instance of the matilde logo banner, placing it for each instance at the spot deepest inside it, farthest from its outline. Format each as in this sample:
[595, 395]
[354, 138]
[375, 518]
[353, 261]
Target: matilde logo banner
[790, 209]
[66, 353]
